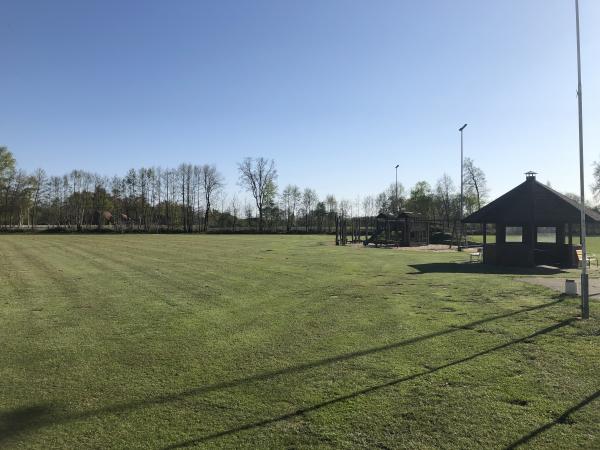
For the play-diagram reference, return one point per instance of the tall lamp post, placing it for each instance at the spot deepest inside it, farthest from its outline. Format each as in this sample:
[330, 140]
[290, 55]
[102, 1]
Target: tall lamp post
[461, 129]
[397, 206]
[585, 301]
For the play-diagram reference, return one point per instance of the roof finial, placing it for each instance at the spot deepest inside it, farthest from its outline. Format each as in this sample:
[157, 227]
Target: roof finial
[530, 175]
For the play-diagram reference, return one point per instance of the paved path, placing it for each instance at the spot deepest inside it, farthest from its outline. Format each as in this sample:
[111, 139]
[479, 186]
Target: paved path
[558, 284]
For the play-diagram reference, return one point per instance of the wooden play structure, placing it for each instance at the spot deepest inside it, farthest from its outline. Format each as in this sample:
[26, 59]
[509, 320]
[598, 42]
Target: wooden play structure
[402, 230]
[341, 230]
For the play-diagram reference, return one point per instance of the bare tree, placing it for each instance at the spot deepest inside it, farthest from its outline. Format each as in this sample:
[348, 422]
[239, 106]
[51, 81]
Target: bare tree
[395, 197]
[160, 198]
[290, 196]
[80, 200]
[212, 182]
[369, 206]
[444, 191]
[449, 203]
[382, 203]
[185, 173]
[369, 211]
[258, 176]
[169, 183]
[331, 204]
[38, 191]
[309, 199]
[100, 200]
[234, 206]
[345, 207]
[475, 184]
[19, 200]
[248, 212]
[596, 184]
[7, 174]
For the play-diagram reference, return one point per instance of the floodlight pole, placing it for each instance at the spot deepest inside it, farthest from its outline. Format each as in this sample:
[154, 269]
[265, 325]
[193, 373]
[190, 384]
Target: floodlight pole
[585, 301]
[397, 165]
[461, 186]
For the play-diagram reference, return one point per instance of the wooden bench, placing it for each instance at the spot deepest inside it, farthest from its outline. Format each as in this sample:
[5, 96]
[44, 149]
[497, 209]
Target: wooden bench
[475, 256]
[590, 257]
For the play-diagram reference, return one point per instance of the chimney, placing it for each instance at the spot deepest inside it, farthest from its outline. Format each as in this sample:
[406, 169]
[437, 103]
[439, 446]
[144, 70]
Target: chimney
[530, 176]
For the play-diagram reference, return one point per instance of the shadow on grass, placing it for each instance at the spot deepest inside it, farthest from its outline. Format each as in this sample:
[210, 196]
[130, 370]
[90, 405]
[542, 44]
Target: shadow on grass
[466, 267]
[302, 411]
[563, 418]
[15, 420]
[44, 415]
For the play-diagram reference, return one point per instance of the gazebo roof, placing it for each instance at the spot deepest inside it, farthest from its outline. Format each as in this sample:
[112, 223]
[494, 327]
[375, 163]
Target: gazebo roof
[532, 202]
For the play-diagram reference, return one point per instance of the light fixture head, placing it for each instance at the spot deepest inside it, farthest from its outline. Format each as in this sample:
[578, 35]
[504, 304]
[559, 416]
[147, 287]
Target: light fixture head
[463, 127]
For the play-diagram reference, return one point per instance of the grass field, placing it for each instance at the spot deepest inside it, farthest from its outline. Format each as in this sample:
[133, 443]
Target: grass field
[284, 342]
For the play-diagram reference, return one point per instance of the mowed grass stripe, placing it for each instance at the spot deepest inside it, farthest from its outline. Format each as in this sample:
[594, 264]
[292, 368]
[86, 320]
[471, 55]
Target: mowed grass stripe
[203, 268]
[292, 323]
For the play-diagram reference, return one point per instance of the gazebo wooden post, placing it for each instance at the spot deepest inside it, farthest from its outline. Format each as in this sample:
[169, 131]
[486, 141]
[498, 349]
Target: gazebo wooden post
[500, 233]
[560, 234]
[484, 233]
[532, 242]
[572, 257]
[500, 243]
[570, 231]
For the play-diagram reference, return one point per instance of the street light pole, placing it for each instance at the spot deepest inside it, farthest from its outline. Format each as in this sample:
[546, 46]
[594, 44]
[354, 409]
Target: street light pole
[585, 302]
[461, 186]
[398, 209]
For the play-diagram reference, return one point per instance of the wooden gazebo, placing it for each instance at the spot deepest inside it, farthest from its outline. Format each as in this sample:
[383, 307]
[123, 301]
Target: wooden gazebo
[526, 209]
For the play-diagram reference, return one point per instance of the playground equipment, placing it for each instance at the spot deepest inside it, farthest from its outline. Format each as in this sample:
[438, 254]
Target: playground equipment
[402, 230]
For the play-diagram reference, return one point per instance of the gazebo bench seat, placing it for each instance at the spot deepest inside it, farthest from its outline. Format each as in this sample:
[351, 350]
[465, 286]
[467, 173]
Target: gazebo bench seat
[475, 256]
[589, 257]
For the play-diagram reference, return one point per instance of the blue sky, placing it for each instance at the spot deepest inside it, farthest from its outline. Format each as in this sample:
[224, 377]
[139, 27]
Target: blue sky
[337, 92]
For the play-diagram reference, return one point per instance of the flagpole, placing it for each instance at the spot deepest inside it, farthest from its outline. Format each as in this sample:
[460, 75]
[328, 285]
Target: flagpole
[585, 301]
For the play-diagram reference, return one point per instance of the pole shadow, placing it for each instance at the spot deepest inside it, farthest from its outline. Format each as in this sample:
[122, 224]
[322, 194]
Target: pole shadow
[12, 422]
[560, 419]
[45, 416]
[362, 392]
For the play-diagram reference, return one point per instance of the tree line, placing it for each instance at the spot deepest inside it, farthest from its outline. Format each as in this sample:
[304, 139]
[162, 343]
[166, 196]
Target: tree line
[191, 198]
